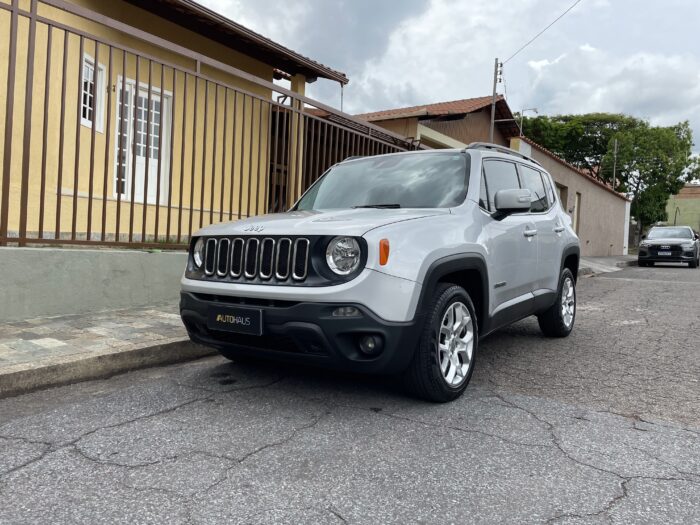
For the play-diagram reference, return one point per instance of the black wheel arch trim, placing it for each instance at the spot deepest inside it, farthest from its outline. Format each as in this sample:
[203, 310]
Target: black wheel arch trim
[572, 249]
[451, 264]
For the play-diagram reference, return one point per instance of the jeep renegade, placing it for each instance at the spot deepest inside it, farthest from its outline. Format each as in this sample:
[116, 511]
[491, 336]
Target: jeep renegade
[392, 264]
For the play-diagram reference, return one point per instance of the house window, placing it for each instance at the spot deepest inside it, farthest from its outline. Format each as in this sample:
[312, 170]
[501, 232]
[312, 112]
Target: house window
[143, 140]
[92, 100]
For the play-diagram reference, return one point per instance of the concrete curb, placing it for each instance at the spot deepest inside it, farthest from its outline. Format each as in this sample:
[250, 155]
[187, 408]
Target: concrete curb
[586, 271]
[28, 377]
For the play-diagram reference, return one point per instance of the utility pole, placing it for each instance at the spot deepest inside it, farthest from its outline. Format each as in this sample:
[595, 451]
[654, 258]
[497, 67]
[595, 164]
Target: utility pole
[496, 80]
[614, 163]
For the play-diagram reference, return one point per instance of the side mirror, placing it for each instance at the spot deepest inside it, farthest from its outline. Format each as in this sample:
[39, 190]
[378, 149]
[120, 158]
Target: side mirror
[511, 201]
[644, 237]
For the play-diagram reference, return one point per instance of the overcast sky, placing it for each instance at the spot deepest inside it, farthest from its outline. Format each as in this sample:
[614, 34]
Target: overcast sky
[631, 56]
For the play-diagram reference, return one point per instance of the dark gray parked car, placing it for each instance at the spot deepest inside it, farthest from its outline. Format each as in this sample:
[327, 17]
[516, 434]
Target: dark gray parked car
[670, 244]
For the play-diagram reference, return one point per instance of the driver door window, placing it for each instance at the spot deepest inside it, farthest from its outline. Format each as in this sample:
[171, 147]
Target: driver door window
[499, 175]
[532, 180]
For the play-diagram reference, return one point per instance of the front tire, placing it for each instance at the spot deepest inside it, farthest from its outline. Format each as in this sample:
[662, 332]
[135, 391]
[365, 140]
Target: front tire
[558, 320]
[443, 362]
[693, 264]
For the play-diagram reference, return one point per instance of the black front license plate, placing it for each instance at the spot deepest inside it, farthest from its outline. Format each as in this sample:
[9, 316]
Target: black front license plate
[240, 320]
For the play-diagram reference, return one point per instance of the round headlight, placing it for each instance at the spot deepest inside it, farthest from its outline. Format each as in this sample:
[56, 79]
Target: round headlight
[343, 255]
[198, 253]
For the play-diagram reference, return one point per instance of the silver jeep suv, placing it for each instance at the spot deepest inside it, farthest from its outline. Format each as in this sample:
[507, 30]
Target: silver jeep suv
[392, 264]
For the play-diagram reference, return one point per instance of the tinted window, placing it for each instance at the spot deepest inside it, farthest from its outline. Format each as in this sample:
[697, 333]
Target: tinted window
[532, 180]
[548, 186]
[417, 180]
[670, 233]
[500, 175]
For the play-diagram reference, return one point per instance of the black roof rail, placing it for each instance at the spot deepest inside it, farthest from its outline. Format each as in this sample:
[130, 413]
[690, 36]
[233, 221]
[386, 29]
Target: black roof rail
[500, 149]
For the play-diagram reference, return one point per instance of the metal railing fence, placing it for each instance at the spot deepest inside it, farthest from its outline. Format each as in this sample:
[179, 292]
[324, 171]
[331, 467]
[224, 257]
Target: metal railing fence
[137, 141]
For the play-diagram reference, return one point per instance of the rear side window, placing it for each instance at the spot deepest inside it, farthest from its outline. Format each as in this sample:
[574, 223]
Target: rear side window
[550, 190]
[499, 175]
[532, 180]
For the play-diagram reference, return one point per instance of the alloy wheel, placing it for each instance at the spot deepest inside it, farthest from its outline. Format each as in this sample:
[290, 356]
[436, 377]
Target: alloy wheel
[455, 344]
[568, 302]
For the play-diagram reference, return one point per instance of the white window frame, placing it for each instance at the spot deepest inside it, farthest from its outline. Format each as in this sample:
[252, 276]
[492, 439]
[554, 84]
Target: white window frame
[166, 143]
[98, 110]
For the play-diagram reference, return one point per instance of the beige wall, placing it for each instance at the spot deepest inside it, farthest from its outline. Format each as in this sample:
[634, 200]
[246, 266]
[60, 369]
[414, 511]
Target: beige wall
[407, 127]
[474, 127]
[602, 214]
[197, 167]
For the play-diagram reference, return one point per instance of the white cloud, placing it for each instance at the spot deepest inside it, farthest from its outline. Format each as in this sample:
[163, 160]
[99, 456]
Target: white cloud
[662, 88]
[283, 24]
[602, 56]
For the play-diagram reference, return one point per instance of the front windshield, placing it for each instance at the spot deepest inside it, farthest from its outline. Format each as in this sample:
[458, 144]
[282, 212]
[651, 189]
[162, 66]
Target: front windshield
[414, 180]
[669, 233]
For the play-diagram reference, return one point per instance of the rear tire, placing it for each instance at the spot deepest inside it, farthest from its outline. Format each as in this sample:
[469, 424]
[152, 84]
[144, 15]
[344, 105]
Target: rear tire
[558, 320]
[443, 361]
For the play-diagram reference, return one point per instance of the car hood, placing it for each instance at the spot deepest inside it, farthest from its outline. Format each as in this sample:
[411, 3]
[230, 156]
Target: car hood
[354, 222]
[658, 242]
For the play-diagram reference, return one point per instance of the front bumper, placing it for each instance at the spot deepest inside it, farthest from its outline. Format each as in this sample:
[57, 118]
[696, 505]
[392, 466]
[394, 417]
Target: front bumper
[684, 257]
[306, 332]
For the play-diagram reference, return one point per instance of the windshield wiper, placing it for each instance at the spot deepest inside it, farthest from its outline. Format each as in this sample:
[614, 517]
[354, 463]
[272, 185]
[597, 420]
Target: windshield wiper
[378, 206]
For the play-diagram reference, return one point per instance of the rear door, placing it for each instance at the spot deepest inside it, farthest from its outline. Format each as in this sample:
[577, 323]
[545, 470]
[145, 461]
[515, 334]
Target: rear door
[549, 229]
[511, 242]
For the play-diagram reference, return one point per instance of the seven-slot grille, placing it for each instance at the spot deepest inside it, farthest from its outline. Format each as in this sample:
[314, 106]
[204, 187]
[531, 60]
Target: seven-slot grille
[257, 258]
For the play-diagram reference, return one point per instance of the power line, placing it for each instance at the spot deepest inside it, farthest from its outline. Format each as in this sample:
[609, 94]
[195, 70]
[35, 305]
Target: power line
[545, 29]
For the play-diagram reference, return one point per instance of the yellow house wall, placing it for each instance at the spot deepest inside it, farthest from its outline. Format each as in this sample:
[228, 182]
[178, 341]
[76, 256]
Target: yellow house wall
[247, 156]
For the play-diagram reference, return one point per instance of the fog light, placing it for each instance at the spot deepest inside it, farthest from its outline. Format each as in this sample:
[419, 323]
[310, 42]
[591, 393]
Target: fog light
[346, 311]
[370, 344]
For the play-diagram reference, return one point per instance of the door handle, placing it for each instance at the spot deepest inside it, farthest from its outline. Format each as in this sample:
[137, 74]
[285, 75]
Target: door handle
[558, 229]
[530, 233]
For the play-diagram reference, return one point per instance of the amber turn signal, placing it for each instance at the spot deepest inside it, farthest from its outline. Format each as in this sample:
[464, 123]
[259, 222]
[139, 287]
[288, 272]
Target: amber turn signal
[383, 251]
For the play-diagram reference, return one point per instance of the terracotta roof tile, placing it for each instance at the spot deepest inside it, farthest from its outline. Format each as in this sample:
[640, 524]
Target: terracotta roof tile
[454, 107]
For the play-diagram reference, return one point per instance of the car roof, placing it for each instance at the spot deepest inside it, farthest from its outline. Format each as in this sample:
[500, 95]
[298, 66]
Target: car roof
[486, 150]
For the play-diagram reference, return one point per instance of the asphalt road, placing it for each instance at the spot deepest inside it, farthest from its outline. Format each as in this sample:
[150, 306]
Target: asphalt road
[601, 427]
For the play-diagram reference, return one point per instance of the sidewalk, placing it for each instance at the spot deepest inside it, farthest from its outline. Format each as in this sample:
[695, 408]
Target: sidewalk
[593, 265]
[51, 351]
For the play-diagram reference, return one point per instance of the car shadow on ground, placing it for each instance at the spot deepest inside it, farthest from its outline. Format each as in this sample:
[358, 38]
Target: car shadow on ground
[225, 375]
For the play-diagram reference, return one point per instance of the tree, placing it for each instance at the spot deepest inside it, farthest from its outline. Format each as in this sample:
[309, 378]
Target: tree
[652, 164]
[581, 140]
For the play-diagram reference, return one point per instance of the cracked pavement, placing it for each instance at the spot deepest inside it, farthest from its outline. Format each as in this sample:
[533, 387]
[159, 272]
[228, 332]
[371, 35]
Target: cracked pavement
[601, 427]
